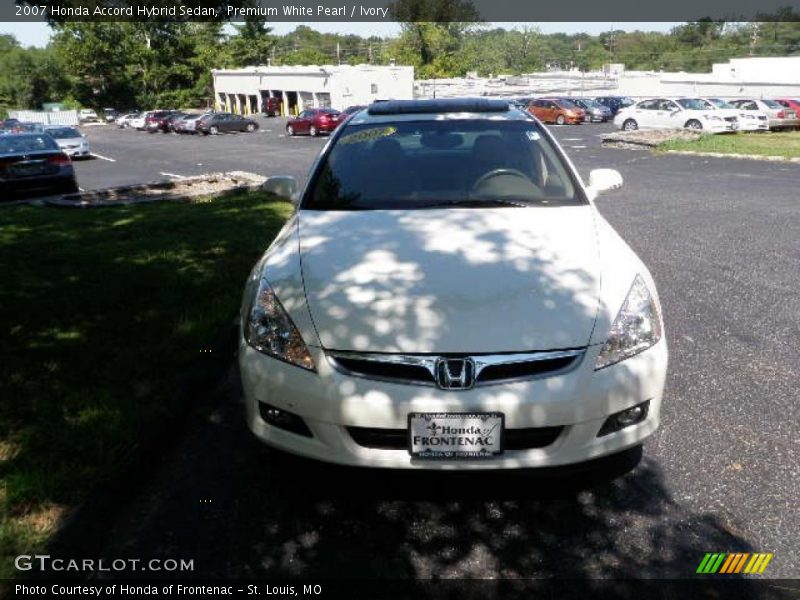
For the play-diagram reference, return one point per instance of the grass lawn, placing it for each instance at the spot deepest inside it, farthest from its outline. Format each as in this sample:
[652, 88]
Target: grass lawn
[100, 311]
[786, 144]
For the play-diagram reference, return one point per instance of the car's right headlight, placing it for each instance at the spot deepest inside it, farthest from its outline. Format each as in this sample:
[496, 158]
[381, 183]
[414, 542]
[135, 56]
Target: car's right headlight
[636, 328]
[268, 328]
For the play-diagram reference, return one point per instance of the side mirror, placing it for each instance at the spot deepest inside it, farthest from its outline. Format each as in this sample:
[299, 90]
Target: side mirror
[602, 180]
[283, 186]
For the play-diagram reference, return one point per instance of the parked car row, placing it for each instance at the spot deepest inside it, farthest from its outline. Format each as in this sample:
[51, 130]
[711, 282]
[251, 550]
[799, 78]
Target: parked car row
[563, 110]
[711, 115]
[175, 121]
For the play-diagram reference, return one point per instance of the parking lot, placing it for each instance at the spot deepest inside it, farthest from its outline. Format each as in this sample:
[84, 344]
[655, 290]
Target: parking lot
[720, 237]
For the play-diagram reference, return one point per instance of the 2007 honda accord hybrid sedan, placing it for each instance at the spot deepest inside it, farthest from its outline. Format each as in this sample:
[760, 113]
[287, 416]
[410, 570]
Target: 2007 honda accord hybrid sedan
[447, 296]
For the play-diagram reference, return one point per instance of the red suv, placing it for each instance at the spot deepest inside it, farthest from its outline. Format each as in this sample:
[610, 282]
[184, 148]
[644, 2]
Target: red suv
[315, 121]
[159, 120]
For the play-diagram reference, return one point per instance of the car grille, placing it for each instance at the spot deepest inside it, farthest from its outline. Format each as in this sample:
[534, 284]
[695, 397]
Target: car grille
[731, 119]
[762, 118]
[420, 369]
[397, 439]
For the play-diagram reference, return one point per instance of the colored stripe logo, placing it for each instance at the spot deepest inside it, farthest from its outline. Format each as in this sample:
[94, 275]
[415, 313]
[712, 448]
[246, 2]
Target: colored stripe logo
[734, 562]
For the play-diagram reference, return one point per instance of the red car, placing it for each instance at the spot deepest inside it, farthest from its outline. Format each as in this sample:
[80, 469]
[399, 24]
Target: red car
[793, 103]
[315, 121]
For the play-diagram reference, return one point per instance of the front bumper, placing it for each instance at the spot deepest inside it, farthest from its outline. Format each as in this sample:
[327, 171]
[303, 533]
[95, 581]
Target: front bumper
[329, 402]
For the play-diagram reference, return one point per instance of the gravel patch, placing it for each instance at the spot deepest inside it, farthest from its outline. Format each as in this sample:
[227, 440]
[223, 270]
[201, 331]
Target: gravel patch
[189, 188]
[650, 138]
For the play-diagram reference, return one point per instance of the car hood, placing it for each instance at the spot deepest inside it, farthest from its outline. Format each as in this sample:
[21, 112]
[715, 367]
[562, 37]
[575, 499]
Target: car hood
[455, 280]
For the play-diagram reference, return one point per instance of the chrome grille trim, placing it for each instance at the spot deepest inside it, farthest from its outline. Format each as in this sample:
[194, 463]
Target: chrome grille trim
[427, 362]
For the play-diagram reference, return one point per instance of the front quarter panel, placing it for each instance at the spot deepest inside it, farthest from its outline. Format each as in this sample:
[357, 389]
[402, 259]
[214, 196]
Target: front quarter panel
[619, 265]
[281, 265]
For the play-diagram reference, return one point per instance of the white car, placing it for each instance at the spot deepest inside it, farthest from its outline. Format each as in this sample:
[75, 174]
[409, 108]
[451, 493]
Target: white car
[749, 120]
[138, 122]
[668, 113]
[88, 115]
[125, 121]
[447, 296]
[71, 141]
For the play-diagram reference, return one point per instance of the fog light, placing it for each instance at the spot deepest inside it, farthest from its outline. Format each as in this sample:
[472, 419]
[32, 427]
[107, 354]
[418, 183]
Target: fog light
[283, 419]
[625, 418]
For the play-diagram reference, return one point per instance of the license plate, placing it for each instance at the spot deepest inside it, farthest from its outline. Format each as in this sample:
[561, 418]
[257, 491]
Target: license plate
[455, 435]
[27, 169]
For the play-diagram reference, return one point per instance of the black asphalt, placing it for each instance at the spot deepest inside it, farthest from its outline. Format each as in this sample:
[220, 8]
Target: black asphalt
[722, 239]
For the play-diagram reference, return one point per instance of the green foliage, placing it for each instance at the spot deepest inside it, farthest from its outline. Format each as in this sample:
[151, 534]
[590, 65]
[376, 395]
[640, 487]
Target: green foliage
[168, 64]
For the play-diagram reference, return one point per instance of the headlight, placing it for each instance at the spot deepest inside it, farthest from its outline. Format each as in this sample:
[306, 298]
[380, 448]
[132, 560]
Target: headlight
[268, 328]
[636, 328]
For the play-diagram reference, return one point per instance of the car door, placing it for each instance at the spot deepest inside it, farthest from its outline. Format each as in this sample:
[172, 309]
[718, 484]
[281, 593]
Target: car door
[670, 114]
[302, 122]
[644, 114]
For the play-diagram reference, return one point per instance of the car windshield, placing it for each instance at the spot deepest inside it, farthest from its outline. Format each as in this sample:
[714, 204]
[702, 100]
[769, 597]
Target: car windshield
[720, 103]
[61, 133]
[695, 104]
[591, 103]
[14, 144]
[772, 104]
[433, 164]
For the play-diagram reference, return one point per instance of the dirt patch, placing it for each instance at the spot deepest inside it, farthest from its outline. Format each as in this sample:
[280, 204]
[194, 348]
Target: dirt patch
[189, 188]
[650, 138]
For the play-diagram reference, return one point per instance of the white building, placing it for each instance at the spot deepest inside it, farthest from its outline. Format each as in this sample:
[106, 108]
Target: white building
[244, 91]
[755, 77]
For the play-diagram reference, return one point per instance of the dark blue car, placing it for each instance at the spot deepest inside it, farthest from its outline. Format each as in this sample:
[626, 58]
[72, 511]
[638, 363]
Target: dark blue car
[615, 103]
[33, 162]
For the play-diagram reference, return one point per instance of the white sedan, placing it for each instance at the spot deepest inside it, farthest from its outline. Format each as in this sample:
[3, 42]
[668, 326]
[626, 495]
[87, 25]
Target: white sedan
[447, 296]
[749, 120]
[668, 113]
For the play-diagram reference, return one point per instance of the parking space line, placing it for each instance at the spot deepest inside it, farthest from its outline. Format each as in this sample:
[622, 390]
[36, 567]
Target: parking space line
[573, 139]
[172, 175]
[101, 157]
[579, 147]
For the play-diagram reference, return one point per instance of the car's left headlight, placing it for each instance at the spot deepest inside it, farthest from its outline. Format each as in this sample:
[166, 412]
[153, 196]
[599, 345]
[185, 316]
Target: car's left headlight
[636, 328]
[268, 328]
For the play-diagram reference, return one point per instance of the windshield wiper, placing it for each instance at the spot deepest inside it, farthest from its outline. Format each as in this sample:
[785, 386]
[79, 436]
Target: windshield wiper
[477, 202]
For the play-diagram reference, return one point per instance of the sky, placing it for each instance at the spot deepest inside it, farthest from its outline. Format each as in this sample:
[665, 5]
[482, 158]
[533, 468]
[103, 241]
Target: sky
[37, 34]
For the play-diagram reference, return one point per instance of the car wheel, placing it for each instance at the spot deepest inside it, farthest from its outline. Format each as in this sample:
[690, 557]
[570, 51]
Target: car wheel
[213, 130]
[251, 128]
[69, 188]
[312, 131]
[630, 125]
[560, 120]
[694, 124]
[289, 130]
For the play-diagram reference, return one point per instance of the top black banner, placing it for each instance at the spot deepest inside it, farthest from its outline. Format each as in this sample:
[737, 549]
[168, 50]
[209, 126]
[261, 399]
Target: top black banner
[520, 11]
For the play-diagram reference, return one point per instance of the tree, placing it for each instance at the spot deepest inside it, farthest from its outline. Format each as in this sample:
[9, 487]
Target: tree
[252, 44]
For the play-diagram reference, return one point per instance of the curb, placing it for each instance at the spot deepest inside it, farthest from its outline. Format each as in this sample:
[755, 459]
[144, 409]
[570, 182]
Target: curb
[731, 155]
[85, 530]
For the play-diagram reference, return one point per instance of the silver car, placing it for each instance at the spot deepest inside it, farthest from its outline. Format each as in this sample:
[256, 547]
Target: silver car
[779, 116]
[71, 141]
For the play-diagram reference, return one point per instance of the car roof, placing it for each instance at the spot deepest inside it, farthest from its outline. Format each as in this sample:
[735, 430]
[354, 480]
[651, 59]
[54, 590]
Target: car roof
[389, 111]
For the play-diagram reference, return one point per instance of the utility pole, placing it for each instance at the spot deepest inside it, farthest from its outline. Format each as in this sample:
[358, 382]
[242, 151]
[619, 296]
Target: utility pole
[338, 58]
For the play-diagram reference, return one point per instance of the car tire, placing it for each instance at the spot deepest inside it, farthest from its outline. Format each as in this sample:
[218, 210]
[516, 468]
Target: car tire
[213, 130]
[289, 130]
[250, 128]
[694, 124]
[560, 120]
[630, 125]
